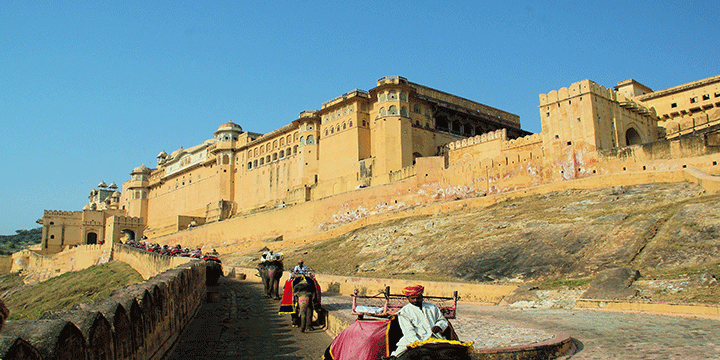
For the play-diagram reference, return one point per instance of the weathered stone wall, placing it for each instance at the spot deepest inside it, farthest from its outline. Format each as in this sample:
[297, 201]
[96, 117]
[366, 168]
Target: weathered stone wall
[141, 321]
[40, 267]
[146, 263]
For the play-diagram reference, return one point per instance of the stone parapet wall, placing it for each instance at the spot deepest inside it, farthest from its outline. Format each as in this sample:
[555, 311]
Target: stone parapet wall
[148, 264]
[346, 285]
[142, 321]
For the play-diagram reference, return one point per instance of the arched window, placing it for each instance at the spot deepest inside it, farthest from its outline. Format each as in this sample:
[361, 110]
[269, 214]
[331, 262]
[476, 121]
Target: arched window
[350, 123]
[275, 157]
[344, 126]
[467, 130]
[326, 132]
[267, 159]
[310, 140]
[381, 97]
[338, 128]
[295, 149]
[262, 161]
[255, 163]
[416, 109]
[392, 95]
[289, 139]
[403, 96]
[456, 126]
[91, 238]
[403, 111]
[282, 154]
[302, 140]
[287, 152]
[262, 150]
[364, 123]
[383, 112]
[393, 111]
[632, 137]
[225, 159]
[282, 141]
[275, 144]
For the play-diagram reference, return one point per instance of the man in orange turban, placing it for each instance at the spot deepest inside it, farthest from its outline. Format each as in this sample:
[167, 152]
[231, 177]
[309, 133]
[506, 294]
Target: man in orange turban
[418, 320]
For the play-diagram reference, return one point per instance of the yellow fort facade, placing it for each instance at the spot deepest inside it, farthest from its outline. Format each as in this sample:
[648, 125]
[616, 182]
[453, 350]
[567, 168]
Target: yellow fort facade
[356, 140]
[396, 146]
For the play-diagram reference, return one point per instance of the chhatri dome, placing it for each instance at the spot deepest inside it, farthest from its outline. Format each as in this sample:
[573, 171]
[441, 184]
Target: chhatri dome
[229, 126]
[142, 169]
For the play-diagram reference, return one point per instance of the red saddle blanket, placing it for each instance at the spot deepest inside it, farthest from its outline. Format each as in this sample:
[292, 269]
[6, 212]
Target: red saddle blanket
[365, 340]
[286, 304]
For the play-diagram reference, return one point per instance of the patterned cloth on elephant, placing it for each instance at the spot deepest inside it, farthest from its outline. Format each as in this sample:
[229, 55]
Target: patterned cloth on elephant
[286, 305]
[365, 340]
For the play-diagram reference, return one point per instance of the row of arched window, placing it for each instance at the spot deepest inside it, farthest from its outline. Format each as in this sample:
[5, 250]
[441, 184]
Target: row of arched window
[275, 156]
[393, 111]
[275, 144]
[337, 128]
[339, 113]
[392, 95]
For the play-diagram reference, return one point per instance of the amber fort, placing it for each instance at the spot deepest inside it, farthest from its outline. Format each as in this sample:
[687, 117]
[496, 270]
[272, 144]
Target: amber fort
[399, 145]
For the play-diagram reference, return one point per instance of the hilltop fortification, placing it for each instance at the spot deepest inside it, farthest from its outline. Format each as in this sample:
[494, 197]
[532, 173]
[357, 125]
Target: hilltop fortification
[396, 146]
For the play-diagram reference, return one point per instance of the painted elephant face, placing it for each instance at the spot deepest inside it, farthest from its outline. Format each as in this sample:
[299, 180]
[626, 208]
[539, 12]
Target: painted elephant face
[304, 300]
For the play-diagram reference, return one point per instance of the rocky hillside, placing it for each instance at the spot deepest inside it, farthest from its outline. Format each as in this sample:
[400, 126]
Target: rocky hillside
[670, 233]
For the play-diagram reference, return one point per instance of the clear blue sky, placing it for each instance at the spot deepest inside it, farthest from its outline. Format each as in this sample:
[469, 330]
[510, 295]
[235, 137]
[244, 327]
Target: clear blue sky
[91, 89]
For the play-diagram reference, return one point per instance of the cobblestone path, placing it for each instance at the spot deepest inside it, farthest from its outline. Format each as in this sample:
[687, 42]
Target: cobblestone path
[242, 324]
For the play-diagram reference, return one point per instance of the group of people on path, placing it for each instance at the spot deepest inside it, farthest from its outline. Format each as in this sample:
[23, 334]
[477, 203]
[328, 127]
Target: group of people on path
[418, 320]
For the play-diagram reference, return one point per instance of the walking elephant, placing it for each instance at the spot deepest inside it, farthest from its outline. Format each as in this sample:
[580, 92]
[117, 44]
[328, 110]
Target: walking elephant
[305, 296]
[271, 272]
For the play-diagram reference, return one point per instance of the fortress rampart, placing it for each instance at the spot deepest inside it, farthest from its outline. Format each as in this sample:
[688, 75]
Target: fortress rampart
[141, 321]
[40, 267]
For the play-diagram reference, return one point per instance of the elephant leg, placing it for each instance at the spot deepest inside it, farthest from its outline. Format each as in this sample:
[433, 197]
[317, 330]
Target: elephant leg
[276, 288]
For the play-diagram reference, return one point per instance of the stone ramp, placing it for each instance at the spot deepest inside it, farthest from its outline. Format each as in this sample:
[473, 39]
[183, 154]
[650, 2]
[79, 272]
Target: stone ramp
[502, 332]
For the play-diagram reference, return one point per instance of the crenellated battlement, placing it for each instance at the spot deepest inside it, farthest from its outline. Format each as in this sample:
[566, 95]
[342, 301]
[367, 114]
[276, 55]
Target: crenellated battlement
[523, 141]
[500, 134]
[58, 213]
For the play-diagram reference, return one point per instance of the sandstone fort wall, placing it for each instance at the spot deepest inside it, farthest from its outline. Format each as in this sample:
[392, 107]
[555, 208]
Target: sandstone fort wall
[41, 267]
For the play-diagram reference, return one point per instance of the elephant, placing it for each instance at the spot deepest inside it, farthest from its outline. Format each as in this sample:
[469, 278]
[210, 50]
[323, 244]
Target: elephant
[271, 272]
[213, 272]
[437, 351]
[305, 297]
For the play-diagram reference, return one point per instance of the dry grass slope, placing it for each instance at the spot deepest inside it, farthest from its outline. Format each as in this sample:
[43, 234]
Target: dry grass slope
[28, 302]
[669, 232]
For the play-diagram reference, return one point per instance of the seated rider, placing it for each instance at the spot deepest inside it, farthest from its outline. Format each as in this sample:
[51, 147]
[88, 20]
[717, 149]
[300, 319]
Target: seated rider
[268, 256]
[214, 252]
[300, 269]
[418, 320]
